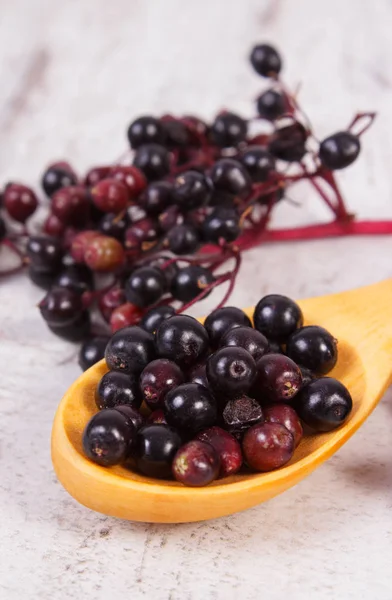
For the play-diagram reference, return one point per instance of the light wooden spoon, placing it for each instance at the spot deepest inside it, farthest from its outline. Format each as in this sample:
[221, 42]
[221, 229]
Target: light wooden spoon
[361, 320]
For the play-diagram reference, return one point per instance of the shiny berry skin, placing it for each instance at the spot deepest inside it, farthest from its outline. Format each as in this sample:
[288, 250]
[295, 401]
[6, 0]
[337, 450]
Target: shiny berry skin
[74, 331]
[117, 388]
[267, 446]
[146, 130]
[176, 133]
[110, 195]
[72, 206]
[265, 60]
[340, 150]
[277, 317]
[183, 239]
[53, 226]
[191, 190]
[228, 130]
[288, 143]
[250, 339]
[125, 315]
[92, 351]
[157, 197]
[313, 347]
[145, 286]
[57, 178]
[231, 371]
[61, 306]
[153, 160]
[44, 253]
[324, 404]
[231, 177]
[114, 225]
[80, 242]
[156, 446]
[227, 448]
[141, 234]
[157, 417]
[190, 407]
[169, 270]
[19, 201]
[78, 278]
[170, 217]
[108, 437]
[182, 339]
[285, 415]
[190, 281]
[258, 162]
[96, 174]
[196, 464]
[241, 413]
[131, 177]
[132, 415]
[221, 224]
[271, 105]
[111, 300]
[222, 320]
[157, 379]
[278, 378]
[129, 350]
[155, 316]
[198, 374]
[104, 254]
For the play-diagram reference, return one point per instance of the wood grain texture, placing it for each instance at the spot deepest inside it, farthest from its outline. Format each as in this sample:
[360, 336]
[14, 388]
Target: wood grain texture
[73, 75]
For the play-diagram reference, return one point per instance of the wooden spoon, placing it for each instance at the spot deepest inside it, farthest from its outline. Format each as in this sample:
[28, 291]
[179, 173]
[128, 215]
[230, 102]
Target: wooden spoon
[361, 320]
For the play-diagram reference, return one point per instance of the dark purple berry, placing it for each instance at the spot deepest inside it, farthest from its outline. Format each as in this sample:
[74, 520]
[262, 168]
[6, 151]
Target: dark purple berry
[108, 437]
[182, 339]
[222, 320]
[190, 281]
[117, 388]
[156, 446]
[278, 378]
[155, 316]
[183, 239]
[271, 105]
[230, 177]
[198, 375]
[277, 317]
[313, 347]
[324, 404]
[191, 190]
[231, 371]
[265, 60]
[153, 160]
[145, 286]
[222, 224]
[113, 225]
[258, 162]
[339, 150]
[245, 337]
[92, 351]
[56, 178]
[190, 408]
[129, 350]
[146, 130]
[228, 130]
[288, 143]
[131, 415]
[157, 197]
[157, 379]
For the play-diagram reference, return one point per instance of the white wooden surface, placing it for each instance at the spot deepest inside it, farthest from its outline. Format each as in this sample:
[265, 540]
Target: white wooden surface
[73, 74]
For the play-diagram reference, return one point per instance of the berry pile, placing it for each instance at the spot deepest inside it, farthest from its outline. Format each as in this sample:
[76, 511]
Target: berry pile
[163, 227]
[219, 396]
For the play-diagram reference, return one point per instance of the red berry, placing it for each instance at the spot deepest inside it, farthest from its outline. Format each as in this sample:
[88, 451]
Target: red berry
[19, 201]
[278, 378]
[110, 301]
[125, 315]
[227, 448]
[285, 415]
[53, 226]
[196, 464]
[80, 242]
[104, 254]
[267, 446]
[132, 177]
[96, 174]
[157, 379]
[110, 195]
[71, 205]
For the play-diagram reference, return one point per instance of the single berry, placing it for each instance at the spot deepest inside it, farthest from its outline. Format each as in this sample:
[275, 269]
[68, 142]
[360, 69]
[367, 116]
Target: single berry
[258, 162]
[157, 379]
[125, 315]
[267, 446]
[104, 254]
[231, 371]
[265, 60]
[19, 201]
[56, 178]
[71, 205]
[230, 176]
[285, 415]
[227, 448]
[277, 317]
[183, 239]
[131, 177]
[340, 150]
[153, 160]
[190, 407]
[78, 278]
[53, 226]
[92, 351]
[155, 316]
[157, 197]
[288, 143]
[190, 281]
[111, 300]
[108, 437]
[110, 195]
[324, 404]
[114, 225]
[250, 339]
[145, 286]
[117, 388]
[182, 339]
[221, 224]
[61, 306]
[44, 253]
[157, 417]
[241, 413]
[80, 242]
[191, 190]
[222, 320]
[129, 350]
[146, 130]
[313, 347]
[96, 174]
[156, 446]
[278, 378]
[132, 415]
[228, 130]
[271, 105]
[196, 464]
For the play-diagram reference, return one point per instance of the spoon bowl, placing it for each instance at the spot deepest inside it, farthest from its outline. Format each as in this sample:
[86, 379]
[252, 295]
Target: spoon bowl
[361, 321]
